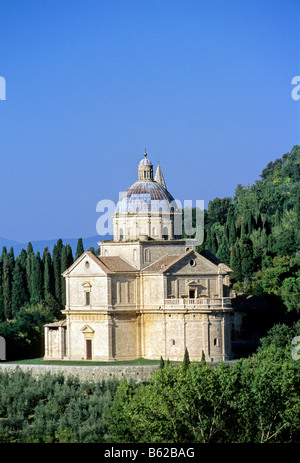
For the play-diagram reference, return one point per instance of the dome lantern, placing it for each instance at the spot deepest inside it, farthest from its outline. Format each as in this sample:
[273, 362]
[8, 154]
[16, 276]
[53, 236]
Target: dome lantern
[145, 169]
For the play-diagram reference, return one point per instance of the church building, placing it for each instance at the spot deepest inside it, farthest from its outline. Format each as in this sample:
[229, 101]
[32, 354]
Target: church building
[149, 293]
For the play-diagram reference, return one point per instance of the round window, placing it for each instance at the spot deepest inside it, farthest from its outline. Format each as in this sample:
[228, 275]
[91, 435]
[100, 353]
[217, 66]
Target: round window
[192, 263]
[87, 264]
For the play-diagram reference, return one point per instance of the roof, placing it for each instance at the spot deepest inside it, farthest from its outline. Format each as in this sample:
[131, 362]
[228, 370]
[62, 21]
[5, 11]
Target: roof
[212, 258]
[57, 324]
[163, 264]
[116, 264]
[109, 264]
[145, 161]
[147, 196]
[159, 178]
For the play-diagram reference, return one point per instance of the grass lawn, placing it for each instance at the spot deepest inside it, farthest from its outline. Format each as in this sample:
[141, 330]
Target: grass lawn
[40, 361]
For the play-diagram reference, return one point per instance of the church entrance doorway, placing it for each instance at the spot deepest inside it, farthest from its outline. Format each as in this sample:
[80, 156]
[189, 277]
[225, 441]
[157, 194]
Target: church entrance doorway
[88, 349]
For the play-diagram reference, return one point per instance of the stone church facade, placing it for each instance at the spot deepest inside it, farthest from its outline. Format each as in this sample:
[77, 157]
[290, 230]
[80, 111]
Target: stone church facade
[147, 294]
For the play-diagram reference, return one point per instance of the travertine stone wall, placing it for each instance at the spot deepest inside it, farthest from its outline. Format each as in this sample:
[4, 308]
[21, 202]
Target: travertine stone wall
[169, 334]
[86, 373]
[125, 334]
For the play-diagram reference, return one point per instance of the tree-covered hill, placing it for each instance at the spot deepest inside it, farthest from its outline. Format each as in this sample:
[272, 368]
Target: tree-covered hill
[257, 232]
[260, 222]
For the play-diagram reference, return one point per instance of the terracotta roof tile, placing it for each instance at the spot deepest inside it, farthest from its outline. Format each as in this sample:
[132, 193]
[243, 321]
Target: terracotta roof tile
[116, 264]
[98, 262]
[57, 324]
[163, 264]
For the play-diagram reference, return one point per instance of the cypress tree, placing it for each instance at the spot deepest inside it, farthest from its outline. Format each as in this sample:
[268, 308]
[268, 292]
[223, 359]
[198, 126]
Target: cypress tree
[93, 250]
[79, 248]
[243, 228]
[231, 230]
[211, 240]
[19, 288]
[2, 316]
[6, 283]
[223, 253]
[246, 253]
[36, 280]
[28, 267]
[48, 284]
[22, 258]
[57, 251]
[235, 261]
[66, 262]
[29, 248]
[69, 257]
[11, 259]
[161, 363]
[186, 359]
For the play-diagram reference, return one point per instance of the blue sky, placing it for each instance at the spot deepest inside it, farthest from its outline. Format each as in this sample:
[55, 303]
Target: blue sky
[205, 86]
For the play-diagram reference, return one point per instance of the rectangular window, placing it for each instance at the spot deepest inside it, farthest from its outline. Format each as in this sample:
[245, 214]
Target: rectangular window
[89, 349]
[192, 294]
[87, 298]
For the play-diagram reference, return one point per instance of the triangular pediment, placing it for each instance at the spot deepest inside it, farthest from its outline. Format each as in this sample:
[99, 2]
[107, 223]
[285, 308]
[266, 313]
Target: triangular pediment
[193, 263]
[193, 283]
[87, 264]
[87, 329]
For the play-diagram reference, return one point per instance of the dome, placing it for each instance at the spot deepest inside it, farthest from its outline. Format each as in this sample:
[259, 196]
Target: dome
[145, 162]
[146, 197]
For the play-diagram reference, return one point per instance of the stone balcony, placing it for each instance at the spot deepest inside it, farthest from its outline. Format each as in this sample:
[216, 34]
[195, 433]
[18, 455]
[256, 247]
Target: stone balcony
[199, 303]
